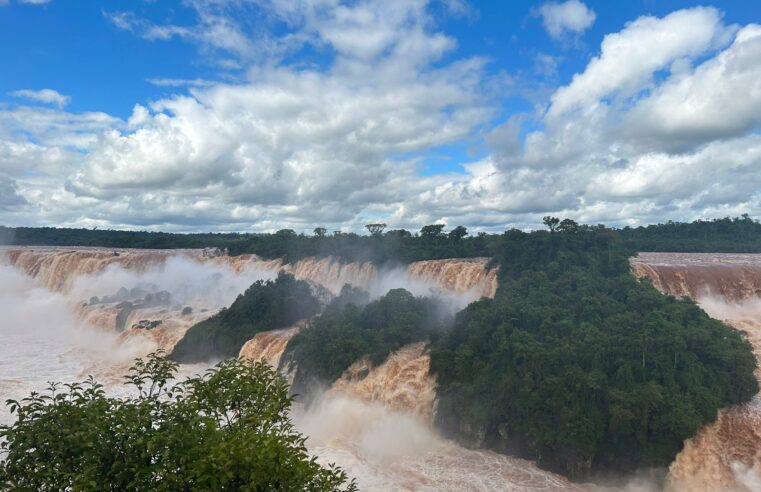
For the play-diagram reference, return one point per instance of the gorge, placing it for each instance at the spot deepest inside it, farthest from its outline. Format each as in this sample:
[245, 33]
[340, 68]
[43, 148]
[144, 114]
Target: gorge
[396, 397]
[71, 276]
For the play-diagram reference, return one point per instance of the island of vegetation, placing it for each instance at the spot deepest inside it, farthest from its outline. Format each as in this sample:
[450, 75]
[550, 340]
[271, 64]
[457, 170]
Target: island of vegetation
[579, 365]
[265, 305]
[351, 328]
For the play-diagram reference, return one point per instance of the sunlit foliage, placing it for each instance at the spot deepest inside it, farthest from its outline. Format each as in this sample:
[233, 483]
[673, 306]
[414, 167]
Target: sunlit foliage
[227, 429]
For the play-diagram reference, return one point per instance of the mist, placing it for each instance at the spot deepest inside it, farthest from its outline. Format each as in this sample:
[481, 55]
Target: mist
[44, 341]
[211, 284]
[717, 307]
[399, 277]
[389, 450]
[747, 477]
[45, 338]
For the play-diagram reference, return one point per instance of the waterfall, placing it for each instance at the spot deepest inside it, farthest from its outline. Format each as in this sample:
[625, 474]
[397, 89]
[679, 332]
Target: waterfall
[268, 345]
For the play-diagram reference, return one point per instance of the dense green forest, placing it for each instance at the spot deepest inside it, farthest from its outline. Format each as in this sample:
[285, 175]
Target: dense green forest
[265, 305]
[348, 330]
[228, 429]
[741, 234]
[581, 366]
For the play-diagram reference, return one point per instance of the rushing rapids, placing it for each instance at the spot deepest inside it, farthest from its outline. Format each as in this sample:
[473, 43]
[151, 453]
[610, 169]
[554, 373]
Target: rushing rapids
[57, 267]
[389, 450]
[458, 275]
[376, 423]
[143, 300]
[164, 327]
[152, 297]
[731, 277]
[725, 455]
[109, 289]
[465, 278]
[402, 382]
[333, 274]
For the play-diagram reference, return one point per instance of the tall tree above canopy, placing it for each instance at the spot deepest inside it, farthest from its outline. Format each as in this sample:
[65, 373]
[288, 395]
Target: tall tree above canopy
[551, 222]
[432, 230]
[458, 233]
[375, 229]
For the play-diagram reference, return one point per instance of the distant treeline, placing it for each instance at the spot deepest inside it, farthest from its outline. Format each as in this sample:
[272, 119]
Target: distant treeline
[400, 245]
[731, 235]
[727, 235]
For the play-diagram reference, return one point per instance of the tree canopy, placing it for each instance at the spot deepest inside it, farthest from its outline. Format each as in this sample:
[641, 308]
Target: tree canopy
[729, 235]
[580, 365]
[351, 328]
[228, 429]
[375, 229]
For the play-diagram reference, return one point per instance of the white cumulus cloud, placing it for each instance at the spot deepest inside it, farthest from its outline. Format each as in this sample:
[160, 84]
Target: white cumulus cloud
[569, 17]
[628, 59]
[662, 124]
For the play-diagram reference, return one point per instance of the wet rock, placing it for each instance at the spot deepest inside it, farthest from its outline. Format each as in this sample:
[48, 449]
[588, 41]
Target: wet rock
[125, 309]
[122, 294]
[145, 324]
[164, 298]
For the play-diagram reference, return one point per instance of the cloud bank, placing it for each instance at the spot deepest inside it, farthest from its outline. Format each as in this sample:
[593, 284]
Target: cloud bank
[662, 123]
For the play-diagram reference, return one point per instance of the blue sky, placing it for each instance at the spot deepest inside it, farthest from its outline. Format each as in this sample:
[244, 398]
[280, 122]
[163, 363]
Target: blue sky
[74, 47]
[123, 136]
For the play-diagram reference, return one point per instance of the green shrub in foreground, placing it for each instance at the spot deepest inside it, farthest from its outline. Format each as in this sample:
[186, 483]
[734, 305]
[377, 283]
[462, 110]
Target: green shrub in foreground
[228, 429]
